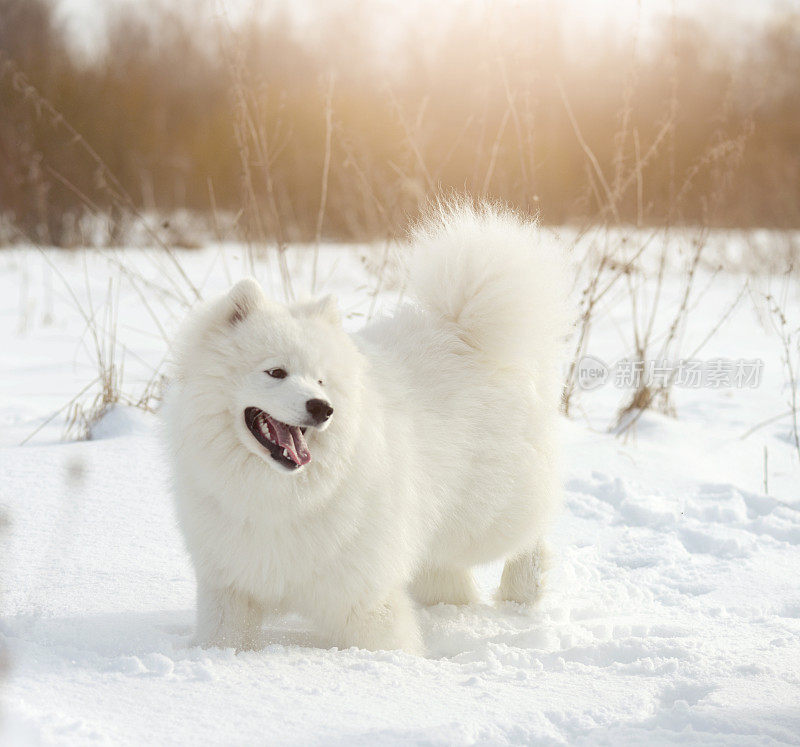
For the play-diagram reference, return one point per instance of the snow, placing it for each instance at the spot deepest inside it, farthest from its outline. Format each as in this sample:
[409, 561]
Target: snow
[672, 612]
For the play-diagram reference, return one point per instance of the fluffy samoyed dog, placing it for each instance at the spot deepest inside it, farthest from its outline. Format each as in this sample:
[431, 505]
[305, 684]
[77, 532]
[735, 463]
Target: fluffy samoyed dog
[346, 477]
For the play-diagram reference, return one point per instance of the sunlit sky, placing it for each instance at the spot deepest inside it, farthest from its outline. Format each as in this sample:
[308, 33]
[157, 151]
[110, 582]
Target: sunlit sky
[85, 18]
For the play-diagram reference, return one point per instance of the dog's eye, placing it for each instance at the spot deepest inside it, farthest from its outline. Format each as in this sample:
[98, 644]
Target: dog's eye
[276, 373]
[321, 382]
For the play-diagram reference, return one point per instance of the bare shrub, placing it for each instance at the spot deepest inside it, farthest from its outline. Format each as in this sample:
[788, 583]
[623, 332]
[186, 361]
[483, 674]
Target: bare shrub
[789, 336]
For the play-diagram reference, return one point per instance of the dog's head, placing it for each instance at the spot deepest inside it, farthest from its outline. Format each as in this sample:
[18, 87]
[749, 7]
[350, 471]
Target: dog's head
[288, 377]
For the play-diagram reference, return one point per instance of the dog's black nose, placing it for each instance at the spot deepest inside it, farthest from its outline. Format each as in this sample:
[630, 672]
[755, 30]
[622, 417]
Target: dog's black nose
[319, 409]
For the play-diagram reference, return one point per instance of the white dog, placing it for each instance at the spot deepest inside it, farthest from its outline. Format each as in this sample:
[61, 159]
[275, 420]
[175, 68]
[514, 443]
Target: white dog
[339, 476]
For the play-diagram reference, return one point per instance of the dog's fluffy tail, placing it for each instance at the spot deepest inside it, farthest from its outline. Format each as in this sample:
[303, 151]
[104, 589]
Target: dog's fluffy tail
[485, 272]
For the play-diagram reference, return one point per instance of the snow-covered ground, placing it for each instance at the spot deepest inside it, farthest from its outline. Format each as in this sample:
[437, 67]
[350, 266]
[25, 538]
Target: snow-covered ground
[673, 609]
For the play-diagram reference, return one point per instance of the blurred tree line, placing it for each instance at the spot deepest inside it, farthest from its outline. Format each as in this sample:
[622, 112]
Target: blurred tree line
[341, 126]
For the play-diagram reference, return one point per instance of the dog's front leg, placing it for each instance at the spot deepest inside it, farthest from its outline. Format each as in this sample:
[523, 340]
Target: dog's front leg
[227, 618]
[390, 625]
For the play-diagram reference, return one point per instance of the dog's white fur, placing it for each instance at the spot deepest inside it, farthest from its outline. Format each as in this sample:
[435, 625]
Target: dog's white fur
[440, 454]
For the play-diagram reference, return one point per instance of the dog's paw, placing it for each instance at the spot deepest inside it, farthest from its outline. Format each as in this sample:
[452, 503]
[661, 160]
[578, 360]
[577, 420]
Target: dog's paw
[197, 641]
[444, 586]
[389, 626]
[525, 595]
[237, 641]
[524, 576]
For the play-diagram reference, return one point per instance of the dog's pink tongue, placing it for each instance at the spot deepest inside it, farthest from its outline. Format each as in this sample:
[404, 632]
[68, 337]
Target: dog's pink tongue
[290, 437]
[301, 453]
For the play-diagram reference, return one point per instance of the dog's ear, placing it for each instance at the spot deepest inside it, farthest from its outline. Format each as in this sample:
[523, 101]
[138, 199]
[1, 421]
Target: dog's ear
[245, 296]
[325, 309]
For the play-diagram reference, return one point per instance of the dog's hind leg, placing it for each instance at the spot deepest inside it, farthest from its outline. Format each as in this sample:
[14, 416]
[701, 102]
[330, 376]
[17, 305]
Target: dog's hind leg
[437, 584]
[227, 618]
[390, 625]
[523, 576]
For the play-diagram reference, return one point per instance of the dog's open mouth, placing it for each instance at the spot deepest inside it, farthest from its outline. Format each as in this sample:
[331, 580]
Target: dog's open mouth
[285, 443]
